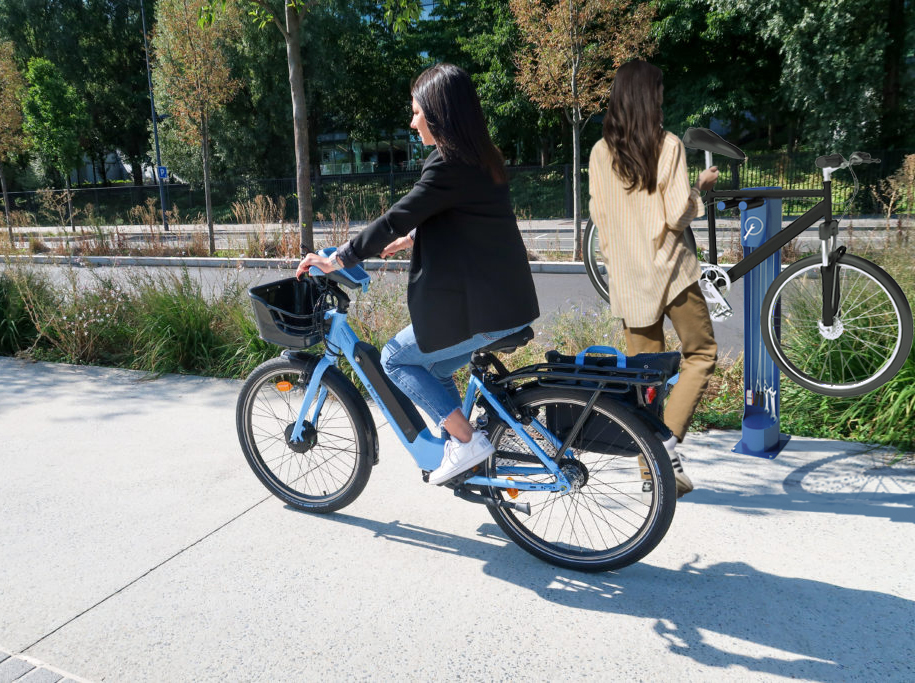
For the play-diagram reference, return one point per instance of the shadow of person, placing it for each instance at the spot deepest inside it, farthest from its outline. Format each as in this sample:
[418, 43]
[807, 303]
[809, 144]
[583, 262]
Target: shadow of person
[725, 615]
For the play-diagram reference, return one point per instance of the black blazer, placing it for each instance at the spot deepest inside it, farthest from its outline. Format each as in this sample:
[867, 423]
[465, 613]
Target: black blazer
[469, 271]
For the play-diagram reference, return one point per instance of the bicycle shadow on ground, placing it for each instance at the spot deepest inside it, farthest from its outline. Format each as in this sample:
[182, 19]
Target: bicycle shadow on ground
[723, 616]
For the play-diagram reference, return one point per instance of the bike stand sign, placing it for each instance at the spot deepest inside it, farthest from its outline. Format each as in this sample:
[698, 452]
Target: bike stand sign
[760, 428]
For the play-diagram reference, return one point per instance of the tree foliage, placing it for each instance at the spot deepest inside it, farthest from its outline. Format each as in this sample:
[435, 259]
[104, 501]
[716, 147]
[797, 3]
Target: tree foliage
[54, 116]
[193, 75]
[12, 86]
[835, 59]
[98, 47]
[572, 51]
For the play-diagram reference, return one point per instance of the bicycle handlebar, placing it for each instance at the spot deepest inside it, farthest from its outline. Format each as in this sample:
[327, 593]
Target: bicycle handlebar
[838, 161]
[352, 277]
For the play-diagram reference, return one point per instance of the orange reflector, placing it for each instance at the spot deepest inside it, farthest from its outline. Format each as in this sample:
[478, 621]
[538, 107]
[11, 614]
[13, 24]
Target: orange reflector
[650, 394]
[284, 386]
[512, 493]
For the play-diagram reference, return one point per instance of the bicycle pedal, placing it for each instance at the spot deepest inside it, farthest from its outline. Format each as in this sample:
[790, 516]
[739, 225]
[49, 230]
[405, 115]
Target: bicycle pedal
[719, 308]
[720, 313]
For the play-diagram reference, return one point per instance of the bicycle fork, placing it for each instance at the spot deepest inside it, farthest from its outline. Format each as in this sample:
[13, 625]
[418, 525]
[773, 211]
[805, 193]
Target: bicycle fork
[829, 232]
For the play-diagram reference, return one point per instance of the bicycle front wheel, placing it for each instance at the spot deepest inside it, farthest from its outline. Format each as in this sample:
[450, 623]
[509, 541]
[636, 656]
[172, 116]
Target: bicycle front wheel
[864, 348]
[330, 467]
[623, 490]
[594, 261]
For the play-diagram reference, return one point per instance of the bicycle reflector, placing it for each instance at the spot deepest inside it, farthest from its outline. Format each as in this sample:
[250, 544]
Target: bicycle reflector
[512, 493]
[284, 386]
[651, 394]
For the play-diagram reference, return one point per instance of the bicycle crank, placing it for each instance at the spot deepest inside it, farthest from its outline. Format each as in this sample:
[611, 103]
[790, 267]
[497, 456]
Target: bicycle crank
[463, 493]
[711, 282]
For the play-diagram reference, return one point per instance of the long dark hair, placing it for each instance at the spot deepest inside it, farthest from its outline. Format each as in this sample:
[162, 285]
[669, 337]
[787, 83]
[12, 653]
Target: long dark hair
[452, 109]
[633, 124]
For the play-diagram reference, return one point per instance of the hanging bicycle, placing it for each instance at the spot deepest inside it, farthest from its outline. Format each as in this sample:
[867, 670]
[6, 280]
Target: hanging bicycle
[836, 324]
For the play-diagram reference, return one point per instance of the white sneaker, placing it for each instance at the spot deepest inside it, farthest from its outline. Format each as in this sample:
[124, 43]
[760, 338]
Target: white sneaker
[460, 456]
[684, 483]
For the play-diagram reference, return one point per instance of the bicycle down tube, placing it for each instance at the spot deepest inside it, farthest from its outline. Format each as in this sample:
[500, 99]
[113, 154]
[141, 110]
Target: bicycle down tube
[425, 448]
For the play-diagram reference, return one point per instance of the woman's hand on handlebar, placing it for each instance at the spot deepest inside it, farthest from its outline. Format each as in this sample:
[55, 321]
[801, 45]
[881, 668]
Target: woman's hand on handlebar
[399, 244]
[707, 179]
[325, 263]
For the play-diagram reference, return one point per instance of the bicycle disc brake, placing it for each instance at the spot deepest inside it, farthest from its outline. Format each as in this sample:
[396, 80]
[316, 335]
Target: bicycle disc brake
[712, 281]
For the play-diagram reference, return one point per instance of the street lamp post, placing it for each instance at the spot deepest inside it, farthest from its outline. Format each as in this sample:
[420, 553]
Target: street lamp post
[152, 106]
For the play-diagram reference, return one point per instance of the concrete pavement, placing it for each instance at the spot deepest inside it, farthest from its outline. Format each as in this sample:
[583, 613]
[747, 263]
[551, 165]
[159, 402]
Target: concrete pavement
[138, 546]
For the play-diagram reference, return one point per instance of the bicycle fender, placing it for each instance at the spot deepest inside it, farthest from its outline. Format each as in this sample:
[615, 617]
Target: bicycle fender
[307, 362]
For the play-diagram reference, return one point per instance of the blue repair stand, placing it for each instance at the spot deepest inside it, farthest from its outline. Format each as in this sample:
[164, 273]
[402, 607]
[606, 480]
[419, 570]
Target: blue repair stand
[760, 434]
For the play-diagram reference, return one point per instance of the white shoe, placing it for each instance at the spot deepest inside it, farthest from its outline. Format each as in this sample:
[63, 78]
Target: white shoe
[684, 483]
[460, 456]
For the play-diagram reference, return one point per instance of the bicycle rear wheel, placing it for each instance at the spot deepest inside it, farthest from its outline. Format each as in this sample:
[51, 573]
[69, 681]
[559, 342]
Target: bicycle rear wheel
[623, 496]
[594, 261]
[331, 467]
[864, 349]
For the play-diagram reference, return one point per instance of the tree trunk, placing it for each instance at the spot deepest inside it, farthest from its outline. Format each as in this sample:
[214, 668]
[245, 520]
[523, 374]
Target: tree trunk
[70, 203]
[104, 169]
[6, 204]
[136, 170]
[300, 128]
[205, 151]
[576, 181]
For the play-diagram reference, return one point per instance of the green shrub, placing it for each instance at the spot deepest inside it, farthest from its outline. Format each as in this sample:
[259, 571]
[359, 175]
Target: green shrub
[179, 330]
[17, 331]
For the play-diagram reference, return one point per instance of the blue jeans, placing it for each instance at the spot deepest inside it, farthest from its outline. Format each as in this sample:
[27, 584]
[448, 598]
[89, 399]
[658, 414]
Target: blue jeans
[426, 378]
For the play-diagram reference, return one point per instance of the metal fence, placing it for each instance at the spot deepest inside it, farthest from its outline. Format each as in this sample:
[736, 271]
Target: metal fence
[537, 192]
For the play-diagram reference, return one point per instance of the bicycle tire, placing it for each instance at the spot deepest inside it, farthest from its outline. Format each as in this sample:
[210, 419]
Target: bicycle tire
[609, 501]
[594, 261]
[331, 474]
[862, 351]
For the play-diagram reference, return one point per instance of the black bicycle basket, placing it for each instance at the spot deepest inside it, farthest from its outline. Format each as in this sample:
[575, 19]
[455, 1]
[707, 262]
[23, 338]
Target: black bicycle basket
[290, 312]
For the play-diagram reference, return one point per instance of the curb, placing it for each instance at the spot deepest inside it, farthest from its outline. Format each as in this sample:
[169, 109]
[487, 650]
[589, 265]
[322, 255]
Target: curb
[548, 267]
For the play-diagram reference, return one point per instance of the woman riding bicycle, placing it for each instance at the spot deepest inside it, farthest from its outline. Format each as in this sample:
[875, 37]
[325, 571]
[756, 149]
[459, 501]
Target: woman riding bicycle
[641, 203]
[469, 279]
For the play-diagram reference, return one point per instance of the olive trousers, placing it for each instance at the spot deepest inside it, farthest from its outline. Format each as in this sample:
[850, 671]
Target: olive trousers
[689, 315]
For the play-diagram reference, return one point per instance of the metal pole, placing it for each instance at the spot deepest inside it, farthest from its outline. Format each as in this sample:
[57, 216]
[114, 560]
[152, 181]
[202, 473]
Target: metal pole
[152, 107]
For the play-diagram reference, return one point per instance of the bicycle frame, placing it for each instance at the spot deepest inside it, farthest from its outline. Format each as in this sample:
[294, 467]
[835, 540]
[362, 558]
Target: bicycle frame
[829, 229]
[427, 450]
[822, 209]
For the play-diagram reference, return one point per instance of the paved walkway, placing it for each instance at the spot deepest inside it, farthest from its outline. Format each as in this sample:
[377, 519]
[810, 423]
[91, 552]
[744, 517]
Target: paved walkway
[138, 546]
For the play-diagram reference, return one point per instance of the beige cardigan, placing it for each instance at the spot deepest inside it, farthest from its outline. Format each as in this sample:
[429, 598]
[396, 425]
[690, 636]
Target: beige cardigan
[641, 234]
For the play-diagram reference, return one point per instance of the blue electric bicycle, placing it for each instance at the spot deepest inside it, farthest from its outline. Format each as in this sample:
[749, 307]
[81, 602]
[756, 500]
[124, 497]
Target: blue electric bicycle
[580, 477]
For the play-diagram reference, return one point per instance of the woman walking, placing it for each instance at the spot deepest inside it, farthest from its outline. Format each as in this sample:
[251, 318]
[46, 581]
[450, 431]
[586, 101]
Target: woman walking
[641, 202]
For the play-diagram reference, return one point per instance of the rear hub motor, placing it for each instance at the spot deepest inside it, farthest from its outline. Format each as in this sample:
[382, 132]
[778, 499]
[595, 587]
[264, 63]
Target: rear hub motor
[575, 472]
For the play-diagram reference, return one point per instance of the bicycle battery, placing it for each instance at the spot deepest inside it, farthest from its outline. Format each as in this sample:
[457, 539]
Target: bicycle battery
[401, 408]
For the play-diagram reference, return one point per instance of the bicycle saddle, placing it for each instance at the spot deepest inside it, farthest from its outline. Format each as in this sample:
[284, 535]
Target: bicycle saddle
[511, 342]
[707, 141]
